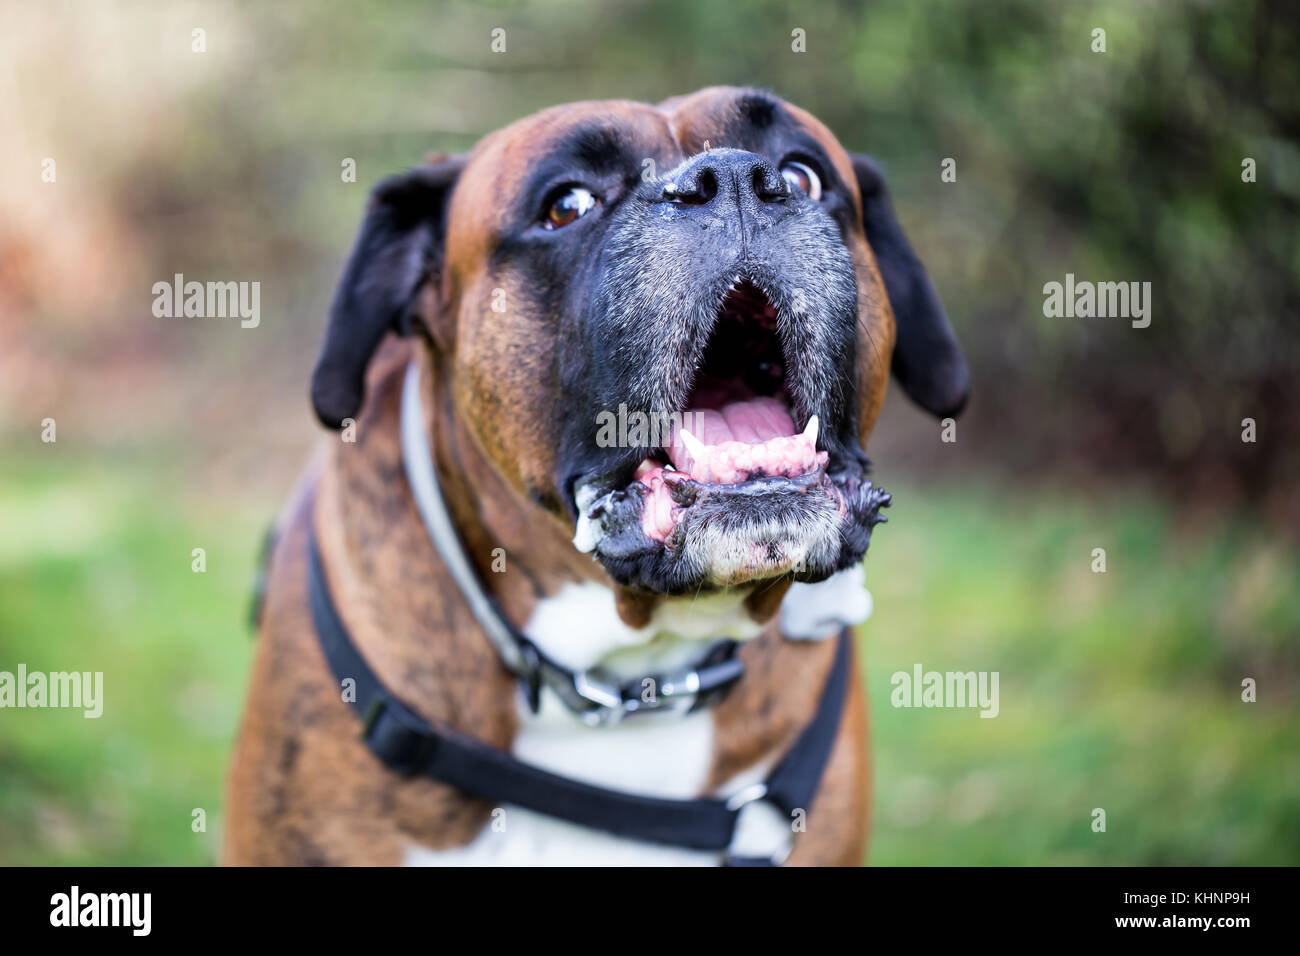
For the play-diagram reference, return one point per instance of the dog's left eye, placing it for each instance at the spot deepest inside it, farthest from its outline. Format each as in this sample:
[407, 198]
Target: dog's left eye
[802, 178]
[569, 207]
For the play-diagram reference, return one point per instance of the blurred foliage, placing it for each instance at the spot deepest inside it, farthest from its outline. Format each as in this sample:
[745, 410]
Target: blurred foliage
[95, 575]
[1119, 690]
[1123, 166]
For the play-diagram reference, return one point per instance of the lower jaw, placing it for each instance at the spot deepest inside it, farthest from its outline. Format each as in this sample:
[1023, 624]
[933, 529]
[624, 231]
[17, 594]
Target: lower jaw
[724, 536]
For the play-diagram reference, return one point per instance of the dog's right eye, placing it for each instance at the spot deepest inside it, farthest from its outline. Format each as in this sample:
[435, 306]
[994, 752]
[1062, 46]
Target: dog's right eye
[570, 206]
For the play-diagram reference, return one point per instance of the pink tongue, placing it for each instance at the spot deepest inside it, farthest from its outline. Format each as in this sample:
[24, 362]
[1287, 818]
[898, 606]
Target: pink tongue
[744, 438]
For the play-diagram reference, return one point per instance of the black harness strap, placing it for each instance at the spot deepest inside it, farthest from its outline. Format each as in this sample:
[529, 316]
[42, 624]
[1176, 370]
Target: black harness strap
[408, 744]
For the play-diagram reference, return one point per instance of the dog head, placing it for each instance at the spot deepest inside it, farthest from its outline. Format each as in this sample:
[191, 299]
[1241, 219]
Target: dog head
[672, 326]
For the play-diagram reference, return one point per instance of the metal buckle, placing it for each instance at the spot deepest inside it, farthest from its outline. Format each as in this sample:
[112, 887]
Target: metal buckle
[608, 705]
[606, 699]
[743, 798]
[737, 803]
[688, 685]
[600, 700]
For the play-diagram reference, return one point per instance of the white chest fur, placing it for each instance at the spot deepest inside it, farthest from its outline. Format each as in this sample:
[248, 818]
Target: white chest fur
[667, 758]
[665, 755]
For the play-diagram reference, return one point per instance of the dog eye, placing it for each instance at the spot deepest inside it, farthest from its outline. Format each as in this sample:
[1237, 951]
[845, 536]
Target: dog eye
[569, 207]
[802, 178]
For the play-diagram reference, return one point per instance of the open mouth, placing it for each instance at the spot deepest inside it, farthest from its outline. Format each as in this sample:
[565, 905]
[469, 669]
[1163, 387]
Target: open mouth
[739, 424]
[744, 486]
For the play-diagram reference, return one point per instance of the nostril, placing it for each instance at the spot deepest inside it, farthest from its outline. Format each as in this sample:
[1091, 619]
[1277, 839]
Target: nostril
[696, 190]
[708, 187]
[742, 176]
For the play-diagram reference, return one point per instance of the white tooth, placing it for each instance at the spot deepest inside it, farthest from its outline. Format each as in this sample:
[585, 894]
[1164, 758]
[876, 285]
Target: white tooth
[585, 537]
[693, 445]
[810, 431]
[584, 497]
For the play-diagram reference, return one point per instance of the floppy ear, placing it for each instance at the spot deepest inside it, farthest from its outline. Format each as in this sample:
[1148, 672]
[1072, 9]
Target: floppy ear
[398, 249]
[927, 362]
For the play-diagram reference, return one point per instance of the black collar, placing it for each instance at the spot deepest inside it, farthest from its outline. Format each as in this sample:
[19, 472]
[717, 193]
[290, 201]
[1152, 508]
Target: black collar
[410, 745]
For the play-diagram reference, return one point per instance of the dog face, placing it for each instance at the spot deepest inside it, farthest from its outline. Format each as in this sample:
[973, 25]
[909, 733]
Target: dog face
[679, 350]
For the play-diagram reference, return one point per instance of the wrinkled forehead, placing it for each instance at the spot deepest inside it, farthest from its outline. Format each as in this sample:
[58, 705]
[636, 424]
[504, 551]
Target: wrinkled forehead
[617, 137]
[752, 120]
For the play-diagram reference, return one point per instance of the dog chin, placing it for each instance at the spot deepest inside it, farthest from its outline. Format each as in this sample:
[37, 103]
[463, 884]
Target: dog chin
[724, 535]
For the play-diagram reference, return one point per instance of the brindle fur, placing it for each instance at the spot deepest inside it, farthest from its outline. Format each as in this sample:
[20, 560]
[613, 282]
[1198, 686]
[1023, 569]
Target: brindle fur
[304, 788]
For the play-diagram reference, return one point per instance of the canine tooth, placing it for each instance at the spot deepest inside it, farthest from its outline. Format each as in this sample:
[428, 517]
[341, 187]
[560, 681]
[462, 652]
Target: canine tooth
[584, 538]
[810, 430]
[693, 445]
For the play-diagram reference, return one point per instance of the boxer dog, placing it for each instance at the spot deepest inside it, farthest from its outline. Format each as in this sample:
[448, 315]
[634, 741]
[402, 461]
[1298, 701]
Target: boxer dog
[718, 264]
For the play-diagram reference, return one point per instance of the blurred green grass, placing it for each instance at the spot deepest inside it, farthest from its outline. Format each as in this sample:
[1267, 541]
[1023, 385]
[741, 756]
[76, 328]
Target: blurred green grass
[1118, 690]
[95, 575]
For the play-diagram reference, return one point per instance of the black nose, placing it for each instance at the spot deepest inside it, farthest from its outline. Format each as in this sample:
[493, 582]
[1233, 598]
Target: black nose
[734, 174]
